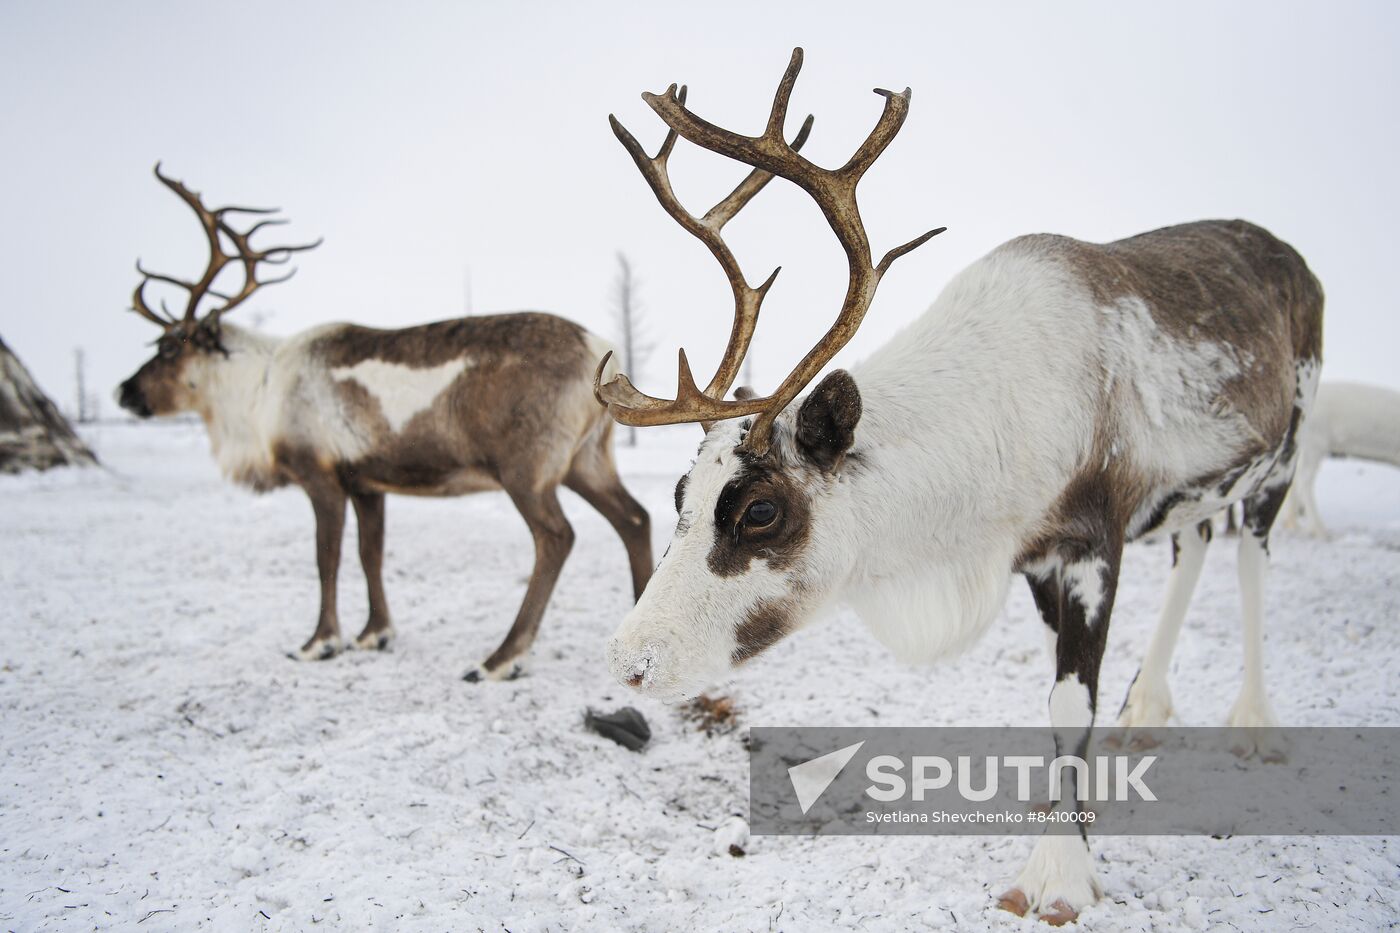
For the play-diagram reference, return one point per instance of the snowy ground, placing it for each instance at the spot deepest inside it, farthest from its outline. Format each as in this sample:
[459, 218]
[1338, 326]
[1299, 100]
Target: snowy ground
[163, 763]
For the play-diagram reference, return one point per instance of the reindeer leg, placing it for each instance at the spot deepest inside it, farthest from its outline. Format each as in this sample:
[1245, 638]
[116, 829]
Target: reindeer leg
[1046, 593]
[369, 519]
[328, 502]
[1059, 880]
[1252, 712]
[553, 540]
[594, 477]
[1149, 701]
[1304, 494]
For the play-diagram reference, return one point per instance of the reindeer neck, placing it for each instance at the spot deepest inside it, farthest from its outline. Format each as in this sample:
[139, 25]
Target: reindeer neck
[236, 406]
[971, 427]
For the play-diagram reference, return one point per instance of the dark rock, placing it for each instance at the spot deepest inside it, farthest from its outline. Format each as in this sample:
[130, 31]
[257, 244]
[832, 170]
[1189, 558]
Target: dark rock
[626, 727]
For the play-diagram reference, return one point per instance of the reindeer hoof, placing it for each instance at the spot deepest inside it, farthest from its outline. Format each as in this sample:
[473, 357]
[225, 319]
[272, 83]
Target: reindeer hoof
[379, 640]
[1058, 914]
[1130, 739]
[1254, 732]
[318, 649]
[505, 672]
[1056, 883]
[1262, 742]
[1014, 901]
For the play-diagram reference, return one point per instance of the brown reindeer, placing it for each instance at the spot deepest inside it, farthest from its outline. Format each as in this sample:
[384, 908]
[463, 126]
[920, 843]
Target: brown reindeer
[351, 413]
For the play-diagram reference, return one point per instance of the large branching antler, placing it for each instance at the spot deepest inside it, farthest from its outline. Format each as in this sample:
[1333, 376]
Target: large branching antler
[834, 190]
[708, 229]
[215, 226]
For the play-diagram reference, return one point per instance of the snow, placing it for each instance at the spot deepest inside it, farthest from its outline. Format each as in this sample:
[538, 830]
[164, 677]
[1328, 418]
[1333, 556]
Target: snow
[164, 762]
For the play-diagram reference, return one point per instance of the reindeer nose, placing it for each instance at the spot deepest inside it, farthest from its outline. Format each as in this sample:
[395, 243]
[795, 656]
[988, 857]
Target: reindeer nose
[636, 675]
[130, 398]
[634, 665]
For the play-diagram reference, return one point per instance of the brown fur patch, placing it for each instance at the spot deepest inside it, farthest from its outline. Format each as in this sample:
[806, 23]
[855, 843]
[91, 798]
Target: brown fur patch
[1222, 281]
[763, 627]
[159, 386]
[1095, 506]
[826, 422]
[545, 342]
[499, 423]
[780, 543]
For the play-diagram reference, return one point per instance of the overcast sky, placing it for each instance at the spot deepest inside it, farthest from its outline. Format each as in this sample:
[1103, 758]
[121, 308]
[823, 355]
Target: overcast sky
[423, 140]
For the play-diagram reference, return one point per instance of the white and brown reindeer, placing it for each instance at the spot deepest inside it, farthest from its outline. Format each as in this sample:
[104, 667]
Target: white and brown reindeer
[492, 402]
[1058, 399]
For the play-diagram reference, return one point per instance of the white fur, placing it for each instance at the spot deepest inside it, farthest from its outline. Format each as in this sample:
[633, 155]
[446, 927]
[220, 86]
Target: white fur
[1070, 706]
[1348, 419]
[402, 391]
[1059, 869]
[1083, 581]
[268, 390]
[235, 401]
[1170, 414]
[599, 348]
[1252, 708]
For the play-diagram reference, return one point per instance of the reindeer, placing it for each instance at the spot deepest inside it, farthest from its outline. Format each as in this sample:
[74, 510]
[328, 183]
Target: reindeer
[1349, 419]
[1058, 399]
[348, 412]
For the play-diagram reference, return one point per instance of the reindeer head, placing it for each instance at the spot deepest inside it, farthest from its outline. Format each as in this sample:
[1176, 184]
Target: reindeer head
[763, 539]
[189, 345]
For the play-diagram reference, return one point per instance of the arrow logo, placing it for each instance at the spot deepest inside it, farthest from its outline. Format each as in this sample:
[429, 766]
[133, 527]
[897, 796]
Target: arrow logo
[811, 778]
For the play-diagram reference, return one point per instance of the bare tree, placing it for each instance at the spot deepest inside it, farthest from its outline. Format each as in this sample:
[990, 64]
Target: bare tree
[85, 412]
[627, 313]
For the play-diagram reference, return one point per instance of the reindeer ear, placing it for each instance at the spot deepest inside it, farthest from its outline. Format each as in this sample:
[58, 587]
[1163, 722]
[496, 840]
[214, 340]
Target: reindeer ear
[826, 422]
[744, 393]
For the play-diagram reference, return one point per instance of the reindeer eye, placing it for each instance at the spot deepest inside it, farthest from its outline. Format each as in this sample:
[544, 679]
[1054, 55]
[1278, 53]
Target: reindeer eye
[169, 347]
[760, 514]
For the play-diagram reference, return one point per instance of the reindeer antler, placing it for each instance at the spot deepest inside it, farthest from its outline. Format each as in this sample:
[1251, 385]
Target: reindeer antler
[834, 190]
[215, 226]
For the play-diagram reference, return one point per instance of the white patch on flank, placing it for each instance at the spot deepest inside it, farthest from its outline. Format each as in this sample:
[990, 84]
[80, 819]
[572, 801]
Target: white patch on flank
[1167, 392]
[401, 391]
[1175, 380]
